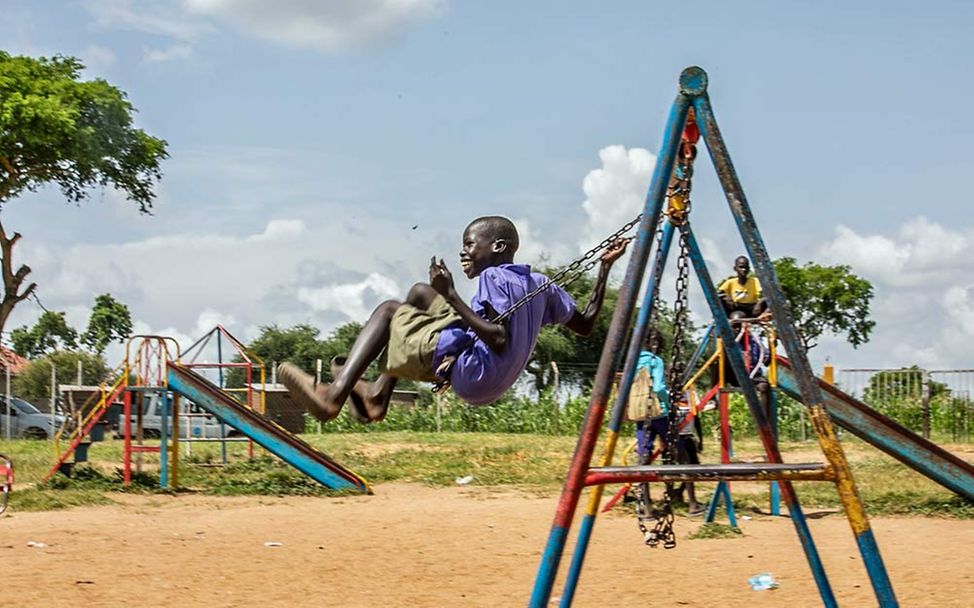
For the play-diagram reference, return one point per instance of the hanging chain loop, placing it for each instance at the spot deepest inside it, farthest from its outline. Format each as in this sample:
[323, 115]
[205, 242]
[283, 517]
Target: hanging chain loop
[571, 273]
[678, 212]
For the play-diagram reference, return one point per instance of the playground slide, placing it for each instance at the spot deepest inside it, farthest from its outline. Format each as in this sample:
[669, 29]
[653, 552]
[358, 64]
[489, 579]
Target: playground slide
[889, 436]
[272, 437]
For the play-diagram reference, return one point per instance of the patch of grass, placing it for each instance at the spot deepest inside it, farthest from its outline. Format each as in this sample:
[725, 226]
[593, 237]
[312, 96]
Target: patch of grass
[263, 476]
[535, 463]
[715, 530]
[34, 499]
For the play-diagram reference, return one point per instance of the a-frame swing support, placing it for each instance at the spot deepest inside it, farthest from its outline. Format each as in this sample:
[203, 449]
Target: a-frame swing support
[693, 93]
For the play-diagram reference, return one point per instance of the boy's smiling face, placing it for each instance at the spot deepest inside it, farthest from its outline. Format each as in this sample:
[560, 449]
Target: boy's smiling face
[479, 250]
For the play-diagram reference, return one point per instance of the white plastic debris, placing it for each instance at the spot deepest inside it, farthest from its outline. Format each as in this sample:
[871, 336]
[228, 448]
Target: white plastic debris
[272, 543]
[35, 544]
[466, 479]
[762, 582]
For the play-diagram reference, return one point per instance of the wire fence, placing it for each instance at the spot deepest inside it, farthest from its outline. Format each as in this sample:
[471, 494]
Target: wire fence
[938, 404]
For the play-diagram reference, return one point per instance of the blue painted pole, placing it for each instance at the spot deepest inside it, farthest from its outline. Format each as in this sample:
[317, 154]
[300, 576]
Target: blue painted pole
[763, 267]
[713, 504]
[775, 491]
[735, 358]
[164, 439]
[622, 398]
[219, 371]
[731, 516]
[629, 291]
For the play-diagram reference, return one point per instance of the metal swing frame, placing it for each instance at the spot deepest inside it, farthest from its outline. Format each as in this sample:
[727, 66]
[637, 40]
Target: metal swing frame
[693, 93]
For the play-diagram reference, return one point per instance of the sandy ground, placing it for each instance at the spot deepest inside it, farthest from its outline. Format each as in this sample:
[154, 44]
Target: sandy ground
[415, 546]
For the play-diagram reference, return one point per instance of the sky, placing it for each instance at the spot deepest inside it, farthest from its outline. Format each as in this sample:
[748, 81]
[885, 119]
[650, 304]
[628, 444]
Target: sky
[322, 150]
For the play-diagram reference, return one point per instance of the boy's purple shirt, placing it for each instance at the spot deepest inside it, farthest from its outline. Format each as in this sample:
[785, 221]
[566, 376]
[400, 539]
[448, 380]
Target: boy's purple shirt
[479, 375]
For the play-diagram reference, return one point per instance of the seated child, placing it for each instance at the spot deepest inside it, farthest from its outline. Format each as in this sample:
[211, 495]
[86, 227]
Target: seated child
[743, 291]
[756, 358]
[435, 336]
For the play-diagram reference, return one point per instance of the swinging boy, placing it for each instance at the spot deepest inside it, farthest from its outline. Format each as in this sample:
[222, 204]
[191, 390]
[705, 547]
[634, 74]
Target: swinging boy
[434, 336]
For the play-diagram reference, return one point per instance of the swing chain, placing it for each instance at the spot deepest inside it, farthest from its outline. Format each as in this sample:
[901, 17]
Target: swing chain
[678, 210]
[572, 272]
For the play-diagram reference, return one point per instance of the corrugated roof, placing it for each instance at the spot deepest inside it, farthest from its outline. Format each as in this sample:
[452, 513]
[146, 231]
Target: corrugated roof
[11, 360]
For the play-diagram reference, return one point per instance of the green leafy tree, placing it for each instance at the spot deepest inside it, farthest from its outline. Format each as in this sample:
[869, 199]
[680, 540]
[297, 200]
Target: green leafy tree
[34, 382]
[51, 332]
[577, 356]
[78, 135]
[826, 299]
[110, 321]
[302, 345]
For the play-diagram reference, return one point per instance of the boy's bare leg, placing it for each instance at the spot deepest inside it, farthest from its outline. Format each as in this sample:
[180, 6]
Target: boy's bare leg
[378, 396]
[421, 295]
[325, 401]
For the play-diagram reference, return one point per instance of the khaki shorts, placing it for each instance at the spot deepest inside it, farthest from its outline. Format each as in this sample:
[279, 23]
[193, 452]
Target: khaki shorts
[413, 334]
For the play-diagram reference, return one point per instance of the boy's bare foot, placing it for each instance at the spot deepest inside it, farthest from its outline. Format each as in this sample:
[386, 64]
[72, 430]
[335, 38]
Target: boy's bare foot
[302, 387]
[358, 396]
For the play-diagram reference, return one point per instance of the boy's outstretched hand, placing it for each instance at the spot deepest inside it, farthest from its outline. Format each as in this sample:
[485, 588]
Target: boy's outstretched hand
[440, 278]
[614, 251]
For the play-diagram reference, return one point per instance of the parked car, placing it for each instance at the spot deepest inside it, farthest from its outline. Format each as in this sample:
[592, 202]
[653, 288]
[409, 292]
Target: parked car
[27, 421]
[194, 421]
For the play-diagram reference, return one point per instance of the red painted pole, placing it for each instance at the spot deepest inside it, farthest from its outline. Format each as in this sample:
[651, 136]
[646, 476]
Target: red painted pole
[127, 418]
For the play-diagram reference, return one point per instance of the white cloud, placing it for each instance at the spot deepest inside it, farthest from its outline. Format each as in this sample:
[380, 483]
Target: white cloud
[277, 230]
[616, 192]
[355, 300]
[922, 253]
[159, 17]
[326, 25]
[923, 276]
[310, 270]
[176, 51]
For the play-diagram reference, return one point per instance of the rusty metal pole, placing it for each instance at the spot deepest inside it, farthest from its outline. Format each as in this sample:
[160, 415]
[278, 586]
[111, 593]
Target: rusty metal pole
[613, 347]
[821, 423]
[735, 357]
[615, 421]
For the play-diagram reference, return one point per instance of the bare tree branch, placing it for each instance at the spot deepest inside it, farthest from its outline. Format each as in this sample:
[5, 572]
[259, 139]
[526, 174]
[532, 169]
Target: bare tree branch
[11, 280]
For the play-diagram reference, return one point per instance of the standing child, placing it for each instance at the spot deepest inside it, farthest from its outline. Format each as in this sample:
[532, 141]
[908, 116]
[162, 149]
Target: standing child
[435, 336]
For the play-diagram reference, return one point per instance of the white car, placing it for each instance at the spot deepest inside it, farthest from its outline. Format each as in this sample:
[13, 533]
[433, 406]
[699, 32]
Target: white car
[27, 421]
[194, 422]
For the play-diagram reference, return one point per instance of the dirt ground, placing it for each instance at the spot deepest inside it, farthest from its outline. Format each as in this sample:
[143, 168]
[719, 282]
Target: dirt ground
[410, 545]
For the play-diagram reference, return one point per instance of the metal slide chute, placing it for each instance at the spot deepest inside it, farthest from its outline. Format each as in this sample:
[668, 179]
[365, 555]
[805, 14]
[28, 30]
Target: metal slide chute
[888, 435]
[269, 435]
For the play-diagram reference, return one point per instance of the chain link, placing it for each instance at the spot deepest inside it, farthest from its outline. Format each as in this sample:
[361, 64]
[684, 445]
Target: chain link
[572, 272]
[678, 211]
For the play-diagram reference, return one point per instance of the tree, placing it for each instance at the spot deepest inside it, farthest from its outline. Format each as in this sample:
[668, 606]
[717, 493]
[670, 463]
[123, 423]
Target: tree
[34, 382]
[78, 135]
[826, 298]
[51, 332]
[110, 321]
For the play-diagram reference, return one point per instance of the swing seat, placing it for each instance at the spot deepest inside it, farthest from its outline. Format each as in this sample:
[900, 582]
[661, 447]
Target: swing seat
[747, 471]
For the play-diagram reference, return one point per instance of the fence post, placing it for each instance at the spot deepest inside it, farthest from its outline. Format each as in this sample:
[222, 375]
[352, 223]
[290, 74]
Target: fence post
[554, 399]
[318, 381]
[8, 404]
[54, 428]
[439, 420]
[925, 378]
